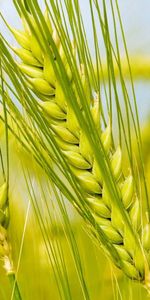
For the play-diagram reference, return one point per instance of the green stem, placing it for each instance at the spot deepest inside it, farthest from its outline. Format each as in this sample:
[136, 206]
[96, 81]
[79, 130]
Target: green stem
[15, 288]
[26, 5]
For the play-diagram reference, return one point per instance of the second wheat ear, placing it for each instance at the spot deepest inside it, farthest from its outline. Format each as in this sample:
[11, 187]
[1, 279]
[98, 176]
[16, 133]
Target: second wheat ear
[5, 245]
[5, 252]
[132, 247]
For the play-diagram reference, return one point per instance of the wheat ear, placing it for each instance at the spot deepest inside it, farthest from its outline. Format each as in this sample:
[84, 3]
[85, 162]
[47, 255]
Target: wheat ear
[75, 146]
[4, 217]
[5, 247]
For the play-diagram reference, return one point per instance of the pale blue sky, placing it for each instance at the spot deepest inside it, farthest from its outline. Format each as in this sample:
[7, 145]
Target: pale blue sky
[135, 16]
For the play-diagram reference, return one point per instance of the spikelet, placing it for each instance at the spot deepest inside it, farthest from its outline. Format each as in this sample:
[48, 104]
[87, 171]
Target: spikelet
[26, 56]
[78, 152]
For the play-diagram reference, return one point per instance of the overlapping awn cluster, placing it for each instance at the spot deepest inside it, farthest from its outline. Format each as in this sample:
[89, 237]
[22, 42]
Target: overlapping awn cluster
[71, 139]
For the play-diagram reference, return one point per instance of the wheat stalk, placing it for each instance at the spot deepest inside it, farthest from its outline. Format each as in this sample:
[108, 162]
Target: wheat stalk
[132, 246]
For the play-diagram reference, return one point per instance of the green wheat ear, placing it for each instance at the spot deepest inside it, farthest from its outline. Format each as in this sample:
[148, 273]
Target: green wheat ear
[5, 250]
[40, 74]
